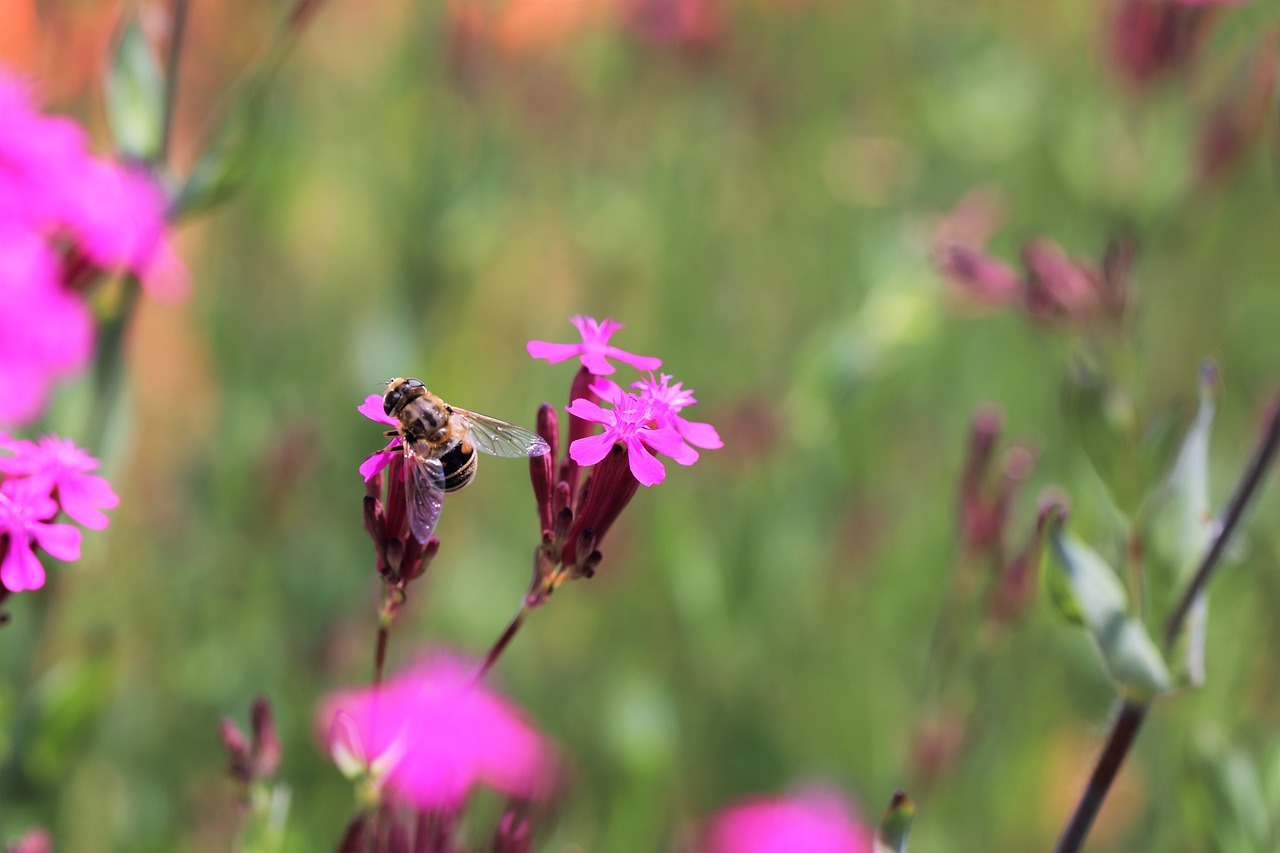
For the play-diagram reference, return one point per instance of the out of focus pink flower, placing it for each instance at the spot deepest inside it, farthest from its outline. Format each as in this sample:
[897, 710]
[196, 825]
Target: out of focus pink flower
[1238, 118]
[695, 25]
[1058, 286]
[432, 734]
[1152, 39]
[628, 423]
[56, 199]
[45, 331]
[594, 351]
[818, 823]
[50, 184]
[25, 511]
[978, 276]
[56, 465]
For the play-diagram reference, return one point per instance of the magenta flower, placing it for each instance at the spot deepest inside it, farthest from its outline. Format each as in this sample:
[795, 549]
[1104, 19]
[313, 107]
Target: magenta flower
[628, 423]
[49, 183]
[56, 464]
[432, 734]
[24, 518]
[372, 409]
[667, 401]
[45, 332]
[594, 350]
[818, 823]
[63, 213]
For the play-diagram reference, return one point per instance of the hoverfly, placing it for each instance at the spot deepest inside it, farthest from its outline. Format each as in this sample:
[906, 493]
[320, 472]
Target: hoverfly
[440, 444]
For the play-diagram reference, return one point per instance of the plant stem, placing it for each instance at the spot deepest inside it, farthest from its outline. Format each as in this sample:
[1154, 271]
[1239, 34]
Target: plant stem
[386, 615]
[503, 641]
[1124, 729]
[1129, 718]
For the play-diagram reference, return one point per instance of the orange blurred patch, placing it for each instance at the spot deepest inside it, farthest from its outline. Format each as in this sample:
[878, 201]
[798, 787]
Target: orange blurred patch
[533, 26]
[18, 34]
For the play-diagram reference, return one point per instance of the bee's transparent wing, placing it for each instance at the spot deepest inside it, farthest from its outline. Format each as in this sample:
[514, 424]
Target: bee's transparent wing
[499, 438]
[424, 493]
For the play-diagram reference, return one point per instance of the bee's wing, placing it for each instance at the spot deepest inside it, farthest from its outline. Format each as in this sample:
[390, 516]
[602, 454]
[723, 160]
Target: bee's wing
[499, 438]
[424, 493]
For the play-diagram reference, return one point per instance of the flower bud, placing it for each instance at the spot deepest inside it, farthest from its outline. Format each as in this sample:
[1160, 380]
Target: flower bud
[266, 741]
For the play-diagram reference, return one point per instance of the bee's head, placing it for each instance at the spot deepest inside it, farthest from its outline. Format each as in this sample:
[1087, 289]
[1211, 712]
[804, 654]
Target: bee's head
[399, 393]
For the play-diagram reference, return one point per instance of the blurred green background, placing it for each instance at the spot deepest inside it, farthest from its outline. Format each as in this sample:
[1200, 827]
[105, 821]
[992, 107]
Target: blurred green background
[438, 183]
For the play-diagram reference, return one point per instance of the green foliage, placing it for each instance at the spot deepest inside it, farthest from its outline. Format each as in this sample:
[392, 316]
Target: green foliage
[1088, 592]
[135, 95]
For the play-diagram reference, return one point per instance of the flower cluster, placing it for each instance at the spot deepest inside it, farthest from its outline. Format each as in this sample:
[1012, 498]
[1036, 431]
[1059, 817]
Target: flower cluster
[65, 216]
[1150, 40]
[621, 457]
[1053, 287]
[37, 480]
[421, 743]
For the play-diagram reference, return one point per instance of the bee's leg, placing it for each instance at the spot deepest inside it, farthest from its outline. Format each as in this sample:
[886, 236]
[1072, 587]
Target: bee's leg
[391, 433]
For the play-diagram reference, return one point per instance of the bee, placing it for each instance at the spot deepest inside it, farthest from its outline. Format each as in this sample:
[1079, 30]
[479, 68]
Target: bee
[440, 444]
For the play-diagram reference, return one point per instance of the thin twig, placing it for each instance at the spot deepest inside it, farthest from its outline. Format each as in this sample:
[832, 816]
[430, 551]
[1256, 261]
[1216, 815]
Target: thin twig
[503, 641]
[1129, 718]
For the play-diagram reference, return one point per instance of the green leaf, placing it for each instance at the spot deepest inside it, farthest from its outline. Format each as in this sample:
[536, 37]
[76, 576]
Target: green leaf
[1179, 521]
[1178, 528]
[228, 159]
[1094, 595]
[135, 95]
[891, 836]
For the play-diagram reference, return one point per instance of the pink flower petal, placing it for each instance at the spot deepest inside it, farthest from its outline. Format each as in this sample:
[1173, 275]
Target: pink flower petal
[60, 540]
[645, 467]
[763, 825]
[589, 411]
[608, 390]
[82, 495]
[554, 353]
[20, 570]
[590, 450]
[596, 364]
[699, 434]
[374, 409]
[378, 461]
[640, 362]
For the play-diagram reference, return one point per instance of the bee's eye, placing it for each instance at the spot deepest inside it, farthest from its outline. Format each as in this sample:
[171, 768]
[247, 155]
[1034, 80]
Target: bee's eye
[389, 401]
[414, 383]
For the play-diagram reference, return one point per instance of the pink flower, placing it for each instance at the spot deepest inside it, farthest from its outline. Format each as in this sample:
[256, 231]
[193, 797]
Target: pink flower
[818, 823]
[56, 464]
[372, 409]
[57, 201]
[50, 184]
[667, 401]
[432, 734]
[24, 514]
[628, 423]
[45, 332]
[594, 349]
